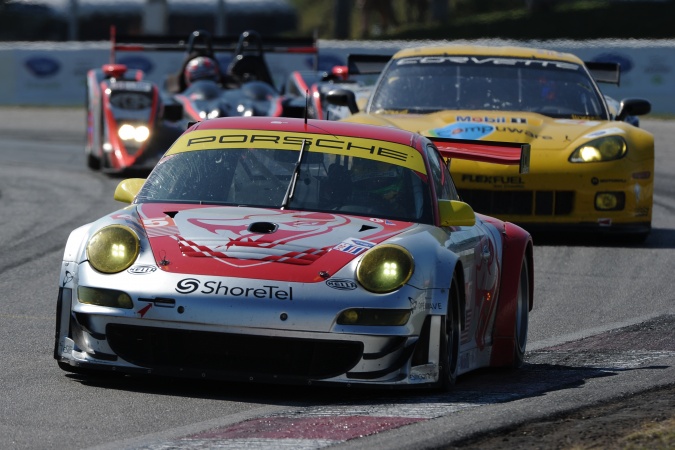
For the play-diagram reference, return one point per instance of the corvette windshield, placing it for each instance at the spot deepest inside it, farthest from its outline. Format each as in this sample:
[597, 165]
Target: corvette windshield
[261, 177]
[430, 84]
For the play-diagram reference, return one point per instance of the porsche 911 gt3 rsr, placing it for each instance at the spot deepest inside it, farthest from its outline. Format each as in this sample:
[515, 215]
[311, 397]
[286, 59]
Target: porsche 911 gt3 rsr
[590, 168]
[298, 251]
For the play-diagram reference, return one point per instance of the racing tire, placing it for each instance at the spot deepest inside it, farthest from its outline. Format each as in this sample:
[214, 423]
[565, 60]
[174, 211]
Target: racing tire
[522, 316]
[93, 162]
[450, 336]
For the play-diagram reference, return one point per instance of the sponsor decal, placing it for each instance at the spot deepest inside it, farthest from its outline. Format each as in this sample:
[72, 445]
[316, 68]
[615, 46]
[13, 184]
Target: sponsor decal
[341, 284]
[463, 131]
[487, 61]
[604, 132]
[479, 119]
[213, 287]
[141, 269]
[391, 152]
[354, 246]
[487, 119]
[136, 86]
[595, 180]
[525, 132]
[499, 179]
[605, 222]
[421, 305]
[588, 123]
[42, 66]
[642, 212]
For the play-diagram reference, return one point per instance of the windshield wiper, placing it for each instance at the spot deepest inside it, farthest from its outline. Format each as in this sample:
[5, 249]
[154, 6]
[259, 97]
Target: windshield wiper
[294, 178]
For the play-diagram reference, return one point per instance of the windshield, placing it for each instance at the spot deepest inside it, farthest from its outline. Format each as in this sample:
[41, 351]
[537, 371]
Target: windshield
[261, 178]
[430, 84]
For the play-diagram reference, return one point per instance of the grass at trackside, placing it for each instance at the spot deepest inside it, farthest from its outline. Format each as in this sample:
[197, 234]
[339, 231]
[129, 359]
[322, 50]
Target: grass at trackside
[659, 435]
[509, 19]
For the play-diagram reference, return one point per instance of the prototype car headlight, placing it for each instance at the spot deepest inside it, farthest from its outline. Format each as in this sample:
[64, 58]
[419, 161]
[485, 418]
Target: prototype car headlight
[385, 268]
[113, 249]
[606, 148]
[129, 132]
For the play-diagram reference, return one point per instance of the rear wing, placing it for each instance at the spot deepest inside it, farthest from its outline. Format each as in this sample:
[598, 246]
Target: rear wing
[604, 72]
[507, 153]
[203, 42]
[365, 64]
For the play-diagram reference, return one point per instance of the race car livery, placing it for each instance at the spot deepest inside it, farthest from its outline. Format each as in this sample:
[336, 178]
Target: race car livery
[591, 167]
[285, 250]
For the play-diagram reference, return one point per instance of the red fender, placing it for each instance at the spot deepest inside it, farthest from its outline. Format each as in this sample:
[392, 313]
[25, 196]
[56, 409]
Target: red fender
[517, 245]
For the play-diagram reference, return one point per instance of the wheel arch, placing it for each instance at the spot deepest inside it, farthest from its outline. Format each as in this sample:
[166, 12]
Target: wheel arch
[518, 248]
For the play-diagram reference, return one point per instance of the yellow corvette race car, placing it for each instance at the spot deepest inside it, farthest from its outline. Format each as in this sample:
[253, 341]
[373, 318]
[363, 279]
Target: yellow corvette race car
[591, 167]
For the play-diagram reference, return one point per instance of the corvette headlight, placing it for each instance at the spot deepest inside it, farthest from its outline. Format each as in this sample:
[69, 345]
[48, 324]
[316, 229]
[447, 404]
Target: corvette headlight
[129, 132]
[606, 148]
[113, 249]
[385, 268]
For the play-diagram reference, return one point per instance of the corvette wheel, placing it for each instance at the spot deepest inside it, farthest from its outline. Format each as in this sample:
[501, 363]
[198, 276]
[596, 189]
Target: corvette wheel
[450, 331]
[522, 316]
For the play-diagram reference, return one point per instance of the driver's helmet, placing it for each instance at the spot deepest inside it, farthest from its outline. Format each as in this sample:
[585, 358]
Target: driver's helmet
[376, 178]
[201, 68]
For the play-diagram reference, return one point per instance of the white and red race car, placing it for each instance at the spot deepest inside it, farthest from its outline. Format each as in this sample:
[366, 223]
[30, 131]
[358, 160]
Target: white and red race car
[285, 250]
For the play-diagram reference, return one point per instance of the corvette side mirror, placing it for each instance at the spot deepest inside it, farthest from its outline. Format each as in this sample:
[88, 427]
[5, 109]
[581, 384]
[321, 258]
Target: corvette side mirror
[343, 97]
[633, 107]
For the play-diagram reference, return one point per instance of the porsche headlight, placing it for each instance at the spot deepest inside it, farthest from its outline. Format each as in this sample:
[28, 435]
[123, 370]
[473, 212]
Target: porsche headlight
[385, 268]
[129, 132]
[606, 148]
[113, 249]
[104, 297]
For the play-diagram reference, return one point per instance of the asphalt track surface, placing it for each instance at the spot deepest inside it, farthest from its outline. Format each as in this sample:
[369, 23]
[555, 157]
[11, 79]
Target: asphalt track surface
[603, 328]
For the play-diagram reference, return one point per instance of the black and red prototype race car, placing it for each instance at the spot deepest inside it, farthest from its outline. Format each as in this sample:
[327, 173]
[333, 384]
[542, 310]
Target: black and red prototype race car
[131, 120]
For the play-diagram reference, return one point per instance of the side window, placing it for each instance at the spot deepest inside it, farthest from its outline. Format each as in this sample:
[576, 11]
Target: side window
[445, 188]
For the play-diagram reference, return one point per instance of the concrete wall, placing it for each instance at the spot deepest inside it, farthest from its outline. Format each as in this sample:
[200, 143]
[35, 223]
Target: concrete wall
[54, 73]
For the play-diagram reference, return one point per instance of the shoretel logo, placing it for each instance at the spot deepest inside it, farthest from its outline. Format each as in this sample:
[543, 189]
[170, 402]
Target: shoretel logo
[192, 285]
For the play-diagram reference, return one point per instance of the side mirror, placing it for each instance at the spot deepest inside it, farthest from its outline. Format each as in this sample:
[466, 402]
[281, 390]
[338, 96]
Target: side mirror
[128, 189]
[173, 112]
[633, 107]
[343, 97]
[454, 213]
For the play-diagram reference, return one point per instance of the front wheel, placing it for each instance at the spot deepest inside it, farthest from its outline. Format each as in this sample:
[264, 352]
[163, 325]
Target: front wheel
[522, 316]
[450, 335]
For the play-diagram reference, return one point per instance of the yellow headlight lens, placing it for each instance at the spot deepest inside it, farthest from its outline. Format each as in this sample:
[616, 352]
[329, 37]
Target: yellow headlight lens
[606, 148]
[113, 249]
[374, 317]
[104, 297]
[385, 268]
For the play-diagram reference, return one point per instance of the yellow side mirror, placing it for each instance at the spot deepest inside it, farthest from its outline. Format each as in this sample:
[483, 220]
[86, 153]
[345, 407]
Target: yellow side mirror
[127, 190]
[456, 214]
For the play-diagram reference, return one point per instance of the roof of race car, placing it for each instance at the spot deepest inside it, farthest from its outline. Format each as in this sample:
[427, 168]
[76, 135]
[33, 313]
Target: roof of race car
[484, 50]
[327, 127]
